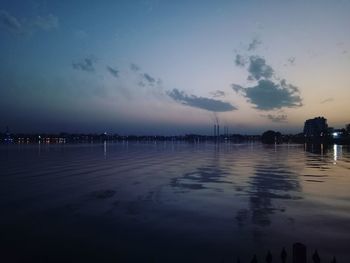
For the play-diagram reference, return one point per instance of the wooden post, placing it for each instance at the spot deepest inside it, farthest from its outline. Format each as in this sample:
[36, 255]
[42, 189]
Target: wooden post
[316, 257]
[268, 257]
[284, 255]
[299, 253]
[254, 260]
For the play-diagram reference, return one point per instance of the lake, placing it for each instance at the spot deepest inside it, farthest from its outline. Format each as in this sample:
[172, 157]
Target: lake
[172, 202]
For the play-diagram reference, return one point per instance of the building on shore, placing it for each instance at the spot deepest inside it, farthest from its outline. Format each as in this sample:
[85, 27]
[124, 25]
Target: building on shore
[316, 130]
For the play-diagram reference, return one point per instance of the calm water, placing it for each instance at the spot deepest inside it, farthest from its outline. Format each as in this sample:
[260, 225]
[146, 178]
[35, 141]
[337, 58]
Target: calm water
[171, 202]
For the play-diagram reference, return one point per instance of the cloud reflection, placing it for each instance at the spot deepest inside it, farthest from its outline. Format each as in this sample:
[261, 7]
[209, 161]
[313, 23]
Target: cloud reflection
[272, 180]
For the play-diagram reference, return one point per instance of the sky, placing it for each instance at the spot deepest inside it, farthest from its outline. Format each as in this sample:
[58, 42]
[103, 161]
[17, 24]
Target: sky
[173, 67]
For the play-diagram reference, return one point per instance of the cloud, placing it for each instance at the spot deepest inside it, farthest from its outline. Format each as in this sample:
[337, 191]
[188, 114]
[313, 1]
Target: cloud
[141, 83]
[259, 69]
[276, 118]
[113, 71]
[327, 100]
[250, 78]
[267, 95]
[148, 78]
[218, 94]
[269, 92]
[240, 60]
[200, 102]
[27, 26]
[46, 23]
[254, 44]
[10, 22]
[291, 60]
[134, 67]
[148, 83]
[237, 87]
[86, 64]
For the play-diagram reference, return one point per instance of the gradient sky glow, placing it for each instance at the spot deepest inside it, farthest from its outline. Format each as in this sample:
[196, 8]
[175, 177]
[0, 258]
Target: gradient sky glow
[172, 67]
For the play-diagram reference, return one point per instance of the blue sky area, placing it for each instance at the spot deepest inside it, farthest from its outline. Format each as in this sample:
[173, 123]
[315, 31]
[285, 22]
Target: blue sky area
[173, 67]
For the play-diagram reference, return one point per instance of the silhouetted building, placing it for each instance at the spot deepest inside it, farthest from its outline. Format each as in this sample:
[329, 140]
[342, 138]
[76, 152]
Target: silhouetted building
[315, 127]
[316, 130]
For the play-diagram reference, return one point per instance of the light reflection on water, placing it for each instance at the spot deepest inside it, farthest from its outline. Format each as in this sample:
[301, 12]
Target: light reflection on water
[173, 202]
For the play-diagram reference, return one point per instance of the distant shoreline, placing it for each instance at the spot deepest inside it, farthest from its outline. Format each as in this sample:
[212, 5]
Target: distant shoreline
[81, 139]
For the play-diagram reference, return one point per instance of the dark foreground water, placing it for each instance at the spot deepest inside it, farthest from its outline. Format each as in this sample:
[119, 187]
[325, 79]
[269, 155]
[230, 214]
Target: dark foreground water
[172, 202]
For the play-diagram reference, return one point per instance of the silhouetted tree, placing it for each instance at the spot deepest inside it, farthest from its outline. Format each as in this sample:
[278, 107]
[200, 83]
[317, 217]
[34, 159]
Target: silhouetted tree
[271, 137]
[316, 257]
[268, 257]
[284, 255]
[334, 260]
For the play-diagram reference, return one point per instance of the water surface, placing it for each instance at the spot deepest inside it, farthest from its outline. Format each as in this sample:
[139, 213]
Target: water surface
[172, 202]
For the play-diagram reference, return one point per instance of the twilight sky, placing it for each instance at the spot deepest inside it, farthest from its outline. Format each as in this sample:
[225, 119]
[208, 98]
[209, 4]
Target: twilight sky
[173, 67]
